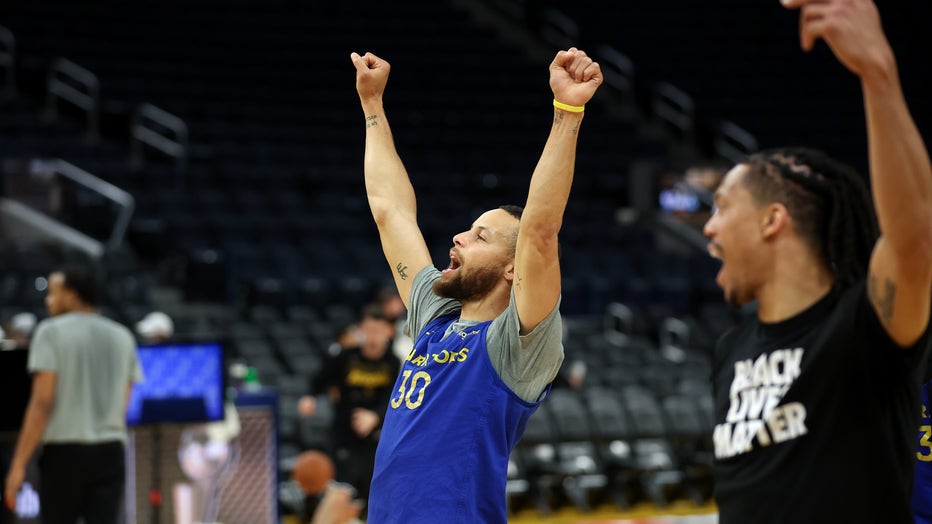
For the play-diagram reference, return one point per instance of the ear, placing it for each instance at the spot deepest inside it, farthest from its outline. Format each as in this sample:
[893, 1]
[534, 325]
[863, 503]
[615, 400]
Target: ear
[510, 272]
[773, 220]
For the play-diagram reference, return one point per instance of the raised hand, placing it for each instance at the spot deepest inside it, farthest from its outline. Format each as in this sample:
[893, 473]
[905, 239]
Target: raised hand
[851, 28]
[574, 77]
[371, 75]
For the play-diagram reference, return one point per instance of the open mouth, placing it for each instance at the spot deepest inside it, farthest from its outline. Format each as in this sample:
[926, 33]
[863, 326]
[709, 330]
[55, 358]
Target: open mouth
[715, 251]
[454, 263]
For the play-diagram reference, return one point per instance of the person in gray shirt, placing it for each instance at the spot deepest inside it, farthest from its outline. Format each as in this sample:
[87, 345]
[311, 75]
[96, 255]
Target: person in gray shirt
[83, 366]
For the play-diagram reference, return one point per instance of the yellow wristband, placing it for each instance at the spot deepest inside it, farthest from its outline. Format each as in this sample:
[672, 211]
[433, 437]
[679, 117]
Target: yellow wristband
[566, 107]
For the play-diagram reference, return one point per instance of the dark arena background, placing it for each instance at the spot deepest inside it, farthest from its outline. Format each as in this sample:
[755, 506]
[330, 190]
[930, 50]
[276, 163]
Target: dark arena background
[205, 158]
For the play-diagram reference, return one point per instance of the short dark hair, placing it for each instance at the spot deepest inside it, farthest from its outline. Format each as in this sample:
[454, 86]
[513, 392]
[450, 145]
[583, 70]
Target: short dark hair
[343, 329]
[829, 201]
[375, 312]
[82, 282]
[512, 210]
[515, 211]
[385, 294]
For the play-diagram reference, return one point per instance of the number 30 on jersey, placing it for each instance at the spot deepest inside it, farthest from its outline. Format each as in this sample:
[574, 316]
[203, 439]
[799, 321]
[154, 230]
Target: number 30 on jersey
[419, 383]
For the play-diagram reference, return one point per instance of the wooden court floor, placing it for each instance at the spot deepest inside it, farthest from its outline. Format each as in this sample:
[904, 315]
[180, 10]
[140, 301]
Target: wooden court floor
[679, 512]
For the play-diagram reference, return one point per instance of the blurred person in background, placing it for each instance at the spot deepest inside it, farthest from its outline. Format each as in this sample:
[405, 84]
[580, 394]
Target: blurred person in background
[358, 381]
[394, 309]
[155, 328]
[572, 375]
[84, 366]
[347, 336]
[21, 328]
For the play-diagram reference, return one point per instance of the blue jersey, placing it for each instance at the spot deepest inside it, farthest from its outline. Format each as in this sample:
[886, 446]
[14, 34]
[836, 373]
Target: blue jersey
[449, 430]
[922, 485]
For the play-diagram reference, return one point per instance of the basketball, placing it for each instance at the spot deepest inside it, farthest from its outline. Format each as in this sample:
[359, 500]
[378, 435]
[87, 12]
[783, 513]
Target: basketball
[312, 471]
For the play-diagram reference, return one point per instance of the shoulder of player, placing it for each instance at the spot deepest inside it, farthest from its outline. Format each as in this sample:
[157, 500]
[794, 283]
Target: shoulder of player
[107, 321]
[742, 331]
[853, 293]
[118, 329]
[54, 324]
[510, 315]
[845, 305]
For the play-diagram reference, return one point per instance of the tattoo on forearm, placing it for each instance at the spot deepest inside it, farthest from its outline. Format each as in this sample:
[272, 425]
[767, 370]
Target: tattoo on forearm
[372, 121]
[882, 299]
[401, 268]
[576, 128]
[519, 281]
[558, 117]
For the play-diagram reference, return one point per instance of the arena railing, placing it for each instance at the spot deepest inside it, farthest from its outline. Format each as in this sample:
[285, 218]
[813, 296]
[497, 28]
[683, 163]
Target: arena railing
[558, 29]
[618, 324]
[163, 131]
[732, 143]
[617, 68]
[674, 339]
[675, 108]
[35, 199]
[68, 81]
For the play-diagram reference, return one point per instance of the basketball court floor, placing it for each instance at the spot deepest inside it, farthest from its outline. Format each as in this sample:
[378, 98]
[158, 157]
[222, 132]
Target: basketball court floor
[676, 513]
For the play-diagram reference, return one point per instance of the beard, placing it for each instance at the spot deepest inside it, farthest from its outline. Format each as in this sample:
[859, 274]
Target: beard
[467, 287]
[733, 300]
[736, 297]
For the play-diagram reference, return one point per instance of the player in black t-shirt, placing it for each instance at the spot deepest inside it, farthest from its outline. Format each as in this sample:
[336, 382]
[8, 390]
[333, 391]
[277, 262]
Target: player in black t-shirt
[817, 397]
[359, 381]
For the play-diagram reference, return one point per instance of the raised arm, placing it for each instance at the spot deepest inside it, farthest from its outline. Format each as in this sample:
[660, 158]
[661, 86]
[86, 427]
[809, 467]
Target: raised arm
[574, 78]
[900, 273]
[391, 196]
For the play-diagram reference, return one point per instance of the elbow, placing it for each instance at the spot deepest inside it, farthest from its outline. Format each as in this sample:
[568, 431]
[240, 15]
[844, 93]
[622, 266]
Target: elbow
[387, 210]
[379, 215]
[925, 237]
[924, 251]
[542, 239]
[918, 247]
[381, 210]
[540, 231]
[916, 253]
[910, 237]
[42, 406]
[541, 223]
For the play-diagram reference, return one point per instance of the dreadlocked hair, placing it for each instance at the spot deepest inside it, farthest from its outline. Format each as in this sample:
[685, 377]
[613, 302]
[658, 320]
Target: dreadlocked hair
[830, 204]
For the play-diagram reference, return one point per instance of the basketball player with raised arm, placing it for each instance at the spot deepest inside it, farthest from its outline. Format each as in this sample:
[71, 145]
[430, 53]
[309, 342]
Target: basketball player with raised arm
[487, 328]
[817, 395]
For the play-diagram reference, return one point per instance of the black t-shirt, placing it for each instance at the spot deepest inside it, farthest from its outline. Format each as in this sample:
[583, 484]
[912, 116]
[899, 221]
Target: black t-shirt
[816, 417]
[362, 383]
